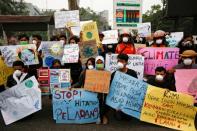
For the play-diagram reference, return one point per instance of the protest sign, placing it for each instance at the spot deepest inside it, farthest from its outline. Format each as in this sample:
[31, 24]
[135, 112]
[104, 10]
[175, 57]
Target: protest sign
[25, 53]
[4, 72]
[20, 101]
[71, 53]
[90, 32]
[186, 81]
[110, 37]
[174, 38]
[75, 106]
[44, 81]
[169, 109]
[127, 14]
[51, 50]
[66, 19]
[135, 62]
[144, 29]
[154, 57]
[97, 81]
[127, 94]
[88, 49]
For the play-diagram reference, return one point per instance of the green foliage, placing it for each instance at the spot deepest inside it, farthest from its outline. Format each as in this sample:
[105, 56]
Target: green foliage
[11, 7]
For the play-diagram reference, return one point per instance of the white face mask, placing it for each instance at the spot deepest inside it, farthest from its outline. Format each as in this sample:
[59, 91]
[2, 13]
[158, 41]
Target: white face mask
[62, 41]
[159, 77]
[90, 67]
[125, 39]
[187, 61]
[159, 41]
[17, 73]
[34, 42]
[120, 65]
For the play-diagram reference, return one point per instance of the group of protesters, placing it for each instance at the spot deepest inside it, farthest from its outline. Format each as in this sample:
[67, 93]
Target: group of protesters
[163, 78]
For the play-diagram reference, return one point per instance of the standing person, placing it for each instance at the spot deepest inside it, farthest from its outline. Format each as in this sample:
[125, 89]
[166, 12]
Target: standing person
[56, 64]
[122, 67]
[23, 39]
[36, 40]
[161, 79]
[12, 40]
[89, 65]
[63, 39]
[125, 44]
[19, 74]
[159, 39]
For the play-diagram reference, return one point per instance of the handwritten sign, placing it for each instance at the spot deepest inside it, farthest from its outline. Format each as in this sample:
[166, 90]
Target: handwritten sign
[67, 18]
[135, 62]
[75, 106]
[174, 38]
[154, 57]
[71, 53]
[90, 32]
[20, 101]
[4, 72]
[97, 81]
[186, 81]
[88, 49]
[110, 37]
[127, 94]
[169, 109]
[25, 53]
[144, 29]
[51, 50]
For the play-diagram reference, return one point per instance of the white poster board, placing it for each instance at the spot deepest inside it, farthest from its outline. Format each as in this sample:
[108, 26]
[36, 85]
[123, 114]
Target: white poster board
[110, 37]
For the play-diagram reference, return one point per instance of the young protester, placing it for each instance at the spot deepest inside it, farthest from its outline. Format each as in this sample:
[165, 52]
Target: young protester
[125, 44]
[159, 39]
[122, 63]
[161, 79]
[63, 39]
[12, 40]
[23, 39]
[74, 40]
[90, 64]
[19, 74]
[56, 64]
[36, 39]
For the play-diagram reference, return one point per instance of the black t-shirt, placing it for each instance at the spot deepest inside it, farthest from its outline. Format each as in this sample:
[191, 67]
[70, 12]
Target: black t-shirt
[129, 72]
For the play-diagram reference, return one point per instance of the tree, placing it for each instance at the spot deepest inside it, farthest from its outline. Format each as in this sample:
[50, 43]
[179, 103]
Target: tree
[12, 7]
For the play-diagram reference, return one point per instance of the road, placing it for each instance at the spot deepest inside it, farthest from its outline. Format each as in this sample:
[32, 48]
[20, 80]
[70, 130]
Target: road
[42, 121]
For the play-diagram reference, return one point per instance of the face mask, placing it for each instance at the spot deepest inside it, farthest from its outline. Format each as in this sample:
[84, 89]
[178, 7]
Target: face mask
[159, 77]
[159, 41]
[90, 67]
[120, 65]
[62, 41]
[125, 39]
[34, 42]
[17, 73]
[23, 43]
[99, 66]
[109, 46]
[187, 61]
[187, 44]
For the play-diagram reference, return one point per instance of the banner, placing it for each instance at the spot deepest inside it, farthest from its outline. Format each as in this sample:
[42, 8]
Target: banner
[51, 50]
[90, 32]
[4, 72]
[144, 29]
[71, 53]
[154, 57]
[127, 94]
[97, 81]
[135, 62]
[186, 82]
[75, 106]
[26, 53]
[127, 14]
[20, 101]
[88, 49]
[110, 37]
[44, 81]
[66, 19]
[169, 109]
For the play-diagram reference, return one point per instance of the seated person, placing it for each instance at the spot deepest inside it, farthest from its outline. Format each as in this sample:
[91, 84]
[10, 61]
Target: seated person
[161, 79]
[19, 74]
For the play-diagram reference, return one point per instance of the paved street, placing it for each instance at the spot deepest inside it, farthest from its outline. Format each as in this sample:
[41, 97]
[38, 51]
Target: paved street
[42, 121]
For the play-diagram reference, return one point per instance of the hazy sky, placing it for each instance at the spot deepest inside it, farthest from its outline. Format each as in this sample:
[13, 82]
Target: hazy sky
[97, 5]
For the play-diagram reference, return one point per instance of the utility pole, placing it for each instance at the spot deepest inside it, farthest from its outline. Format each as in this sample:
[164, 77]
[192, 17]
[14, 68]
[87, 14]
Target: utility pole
[73, 4]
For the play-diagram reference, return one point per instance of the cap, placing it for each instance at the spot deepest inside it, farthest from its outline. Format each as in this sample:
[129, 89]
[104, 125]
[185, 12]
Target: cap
[100, 58]
[189, 53]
